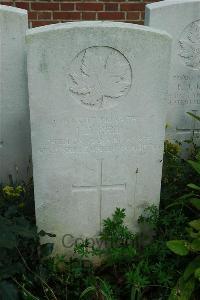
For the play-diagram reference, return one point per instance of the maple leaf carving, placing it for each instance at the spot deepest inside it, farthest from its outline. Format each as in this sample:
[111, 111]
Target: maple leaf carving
[101, 74]
[190, 46]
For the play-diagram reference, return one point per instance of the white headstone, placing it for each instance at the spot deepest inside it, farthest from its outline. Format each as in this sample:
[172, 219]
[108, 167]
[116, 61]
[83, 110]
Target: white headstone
[181, 19]
[98, 104]
[15, 149]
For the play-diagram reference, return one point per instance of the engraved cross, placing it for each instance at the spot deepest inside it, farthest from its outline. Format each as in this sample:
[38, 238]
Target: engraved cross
[100, 187]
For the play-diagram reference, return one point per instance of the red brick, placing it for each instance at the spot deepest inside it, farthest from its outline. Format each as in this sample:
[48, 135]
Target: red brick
[23, 5]
[112, 0]
[88, 16]
[44, 15]
[111, 6]
[67, 6]
[89, 6]
[7, 3]
[42, 23]
[32, 15]
[44, 12]
[66, 15]
[132, 6]
[111, 16]
[44, 6]
[134, 15]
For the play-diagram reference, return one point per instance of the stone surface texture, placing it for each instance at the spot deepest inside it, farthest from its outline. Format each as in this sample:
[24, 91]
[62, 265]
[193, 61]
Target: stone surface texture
[98, 113]
[181, 19]
[15, 149]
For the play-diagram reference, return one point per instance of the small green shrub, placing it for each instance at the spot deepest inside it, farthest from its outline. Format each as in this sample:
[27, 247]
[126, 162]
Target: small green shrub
[19, 242]
[135, 266]
[190, 278]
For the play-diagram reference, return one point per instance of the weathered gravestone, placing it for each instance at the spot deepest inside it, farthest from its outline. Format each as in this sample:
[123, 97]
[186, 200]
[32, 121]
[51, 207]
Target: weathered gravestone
[15, 146]
[181, 19]
[98, 104]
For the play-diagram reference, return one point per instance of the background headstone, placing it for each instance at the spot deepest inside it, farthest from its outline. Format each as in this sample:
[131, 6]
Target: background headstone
[181, 19]
[98, 105]
[15, 147]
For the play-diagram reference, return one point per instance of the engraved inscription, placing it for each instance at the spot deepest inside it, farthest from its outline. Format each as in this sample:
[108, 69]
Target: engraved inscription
[189, 45]
[99, 77]
[99, 187]
[185, 89]
[98, 135]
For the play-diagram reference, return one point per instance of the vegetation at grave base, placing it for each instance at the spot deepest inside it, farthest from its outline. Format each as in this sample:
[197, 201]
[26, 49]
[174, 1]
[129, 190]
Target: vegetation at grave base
[189, 280]
[162, 262]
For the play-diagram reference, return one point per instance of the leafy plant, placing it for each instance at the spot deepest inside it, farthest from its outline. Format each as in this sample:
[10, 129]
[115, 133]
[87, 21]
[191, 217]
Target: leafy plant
[117, 241]
[189, 280]
[100, 289]
[18, 235]
[132, 265]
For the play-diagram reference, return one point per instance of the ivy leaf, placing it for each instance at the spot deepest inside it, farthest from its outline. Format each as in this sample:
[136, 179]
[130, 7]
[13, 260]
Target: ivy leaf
[195, 165]
[190, 269]
[183, 289]
[179, 247]
[195, 224]
[197, 274]
[195, 202]
[192, 233]
[194, 186]
[195, 245]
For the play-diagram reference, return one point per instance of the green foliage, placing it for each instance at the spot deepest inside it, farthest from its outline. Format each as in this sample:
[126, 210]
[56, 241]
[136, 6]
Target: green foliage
[138, 264]
[135, 266]
[179, 247]
[100, 289]
[18, 241]
[188, 281]
[175, 176]
[116, 241]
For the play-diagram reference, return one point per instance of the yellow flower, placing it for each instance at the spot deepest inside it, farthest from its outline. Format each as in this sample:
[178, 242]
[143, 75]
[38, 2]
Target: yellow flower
[8, 190]
[13, 192]
[172, 148]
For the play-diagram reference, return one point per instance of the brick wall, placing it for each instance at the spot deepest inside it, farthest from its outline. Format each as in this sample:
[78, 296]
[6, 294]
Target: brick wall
[53, 11]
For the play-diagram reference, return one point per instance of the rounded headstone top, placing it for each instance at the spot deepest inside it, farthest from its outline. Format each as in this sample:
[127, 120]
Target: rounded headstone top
[95, 24]
[10, 9]
[166, 3]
